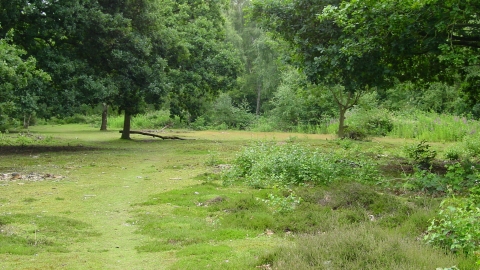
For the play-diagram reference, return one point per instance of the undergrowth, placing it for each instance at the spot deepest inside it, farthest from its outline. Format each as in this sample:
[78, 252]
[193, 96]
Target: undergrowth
[269, 164]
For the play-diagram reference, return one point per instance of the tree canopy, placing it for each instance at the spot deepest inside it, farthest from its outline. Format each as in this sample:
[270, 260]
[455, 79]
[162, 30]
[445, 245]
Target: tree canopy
[18, 75]
[125, 53]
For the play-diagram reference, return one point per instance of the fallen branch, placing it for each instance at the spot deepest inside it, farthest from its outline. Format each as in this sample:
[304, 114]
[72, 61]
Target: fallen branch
[154, 135]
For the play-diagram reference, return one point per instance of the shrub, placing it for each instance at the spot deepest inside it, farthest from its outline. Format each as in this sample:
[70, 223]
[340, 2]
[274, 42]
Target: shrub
[373, 121]
[355, 133]
[421, 155]
[456, 227]
[459, 178]
[268, 164]
[224, 114]
[282, 204]
[149, 120]
[432, 126]
[453, 153]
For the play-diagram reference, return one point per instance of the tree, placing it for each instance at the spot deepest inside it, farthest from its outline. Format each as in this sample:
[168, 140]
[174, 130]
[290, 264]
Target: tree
[21, 83]
[419, 41]
[319, 49]
[126, 53]
[49, 31]
[260, 57]
[202, 64]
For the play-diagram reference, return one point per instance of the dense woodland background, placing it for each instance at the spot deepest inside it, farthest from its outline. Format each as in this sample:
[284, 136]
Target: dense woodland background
[348, 67]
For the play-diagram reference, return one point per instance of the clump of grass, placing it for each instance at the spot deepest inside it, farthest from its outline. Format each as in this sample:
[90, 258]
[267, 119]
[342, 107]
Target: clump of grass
[27, 234]
[363, 246]
[24, 139]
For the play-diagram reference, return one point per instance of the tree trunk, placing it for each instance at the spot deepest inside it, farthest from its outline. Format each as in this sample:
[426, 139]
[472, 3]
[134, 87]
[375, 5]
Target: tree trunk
[26, 121]
[259, 92]
[103, 127]
[341, 123]
[126, 126]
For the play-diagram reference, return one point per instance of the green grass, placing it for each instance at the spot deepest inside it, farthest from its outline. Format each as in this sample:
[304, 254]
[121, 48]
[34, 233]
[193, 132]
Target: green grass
[152, 204]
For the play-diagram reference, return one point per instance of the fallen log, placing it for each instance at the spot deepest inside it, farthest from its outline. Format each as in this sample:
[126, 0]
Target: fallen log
[154, 135]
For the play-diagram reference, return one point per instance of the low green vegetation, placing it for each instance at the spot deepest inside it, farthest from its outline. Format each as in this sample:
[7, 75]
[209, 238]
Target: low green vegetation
[234, 200]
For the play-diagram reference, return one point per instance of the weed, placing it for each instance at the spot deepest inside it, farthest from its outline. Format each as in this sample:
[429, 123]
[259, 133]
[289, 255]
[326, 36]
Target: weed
[282, 204]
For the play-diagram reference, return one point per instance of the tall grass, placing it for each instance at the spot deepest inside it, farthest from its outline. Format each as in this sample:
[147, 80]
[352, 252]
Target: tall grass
[432, 126]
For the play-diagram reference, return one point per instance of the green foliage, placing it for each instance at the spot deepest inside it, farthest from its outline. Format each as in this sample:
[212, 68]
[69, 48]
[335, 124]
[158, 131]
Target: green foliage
[432, 126]
[25, 139]
[453, 152]
[282, 204]
[471, 144]
[22, 82]
[224, 112]
[459, 177]
[268, 164]
[374, 121]
[456, 226]
[355, 133]
[420, 154]
[149, 120]
[288, 108]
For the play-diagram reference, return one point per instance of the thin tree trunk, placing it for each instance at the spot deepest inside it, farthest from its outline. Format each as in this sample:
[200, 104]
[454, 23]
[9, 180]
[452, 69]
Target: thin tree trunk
[103, 127]
[341, 123]
[126, 126]
[259, 92]
[26, 122]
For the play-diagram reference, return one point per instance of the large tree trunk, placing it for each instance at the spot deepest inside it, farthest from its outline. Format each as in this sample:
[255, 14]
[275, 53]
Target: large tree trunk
[103, 127]
[126, 126]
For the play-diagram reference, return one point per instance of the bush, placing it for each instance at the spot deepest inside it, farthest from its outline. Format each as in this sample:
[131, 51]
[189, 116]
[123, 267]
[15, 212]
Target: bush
[453, 153]
[354, 133]
[270, 164]
[372, 121]
[224, 114]
[456, 227]
[149, 120]
[421, 155]
[432, 126]
[459, 178]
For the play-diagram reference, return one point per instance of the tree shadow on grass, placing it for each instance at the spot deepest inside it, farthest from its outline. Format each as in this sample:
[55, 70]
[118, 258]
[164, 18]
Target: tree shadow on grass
[39, 149]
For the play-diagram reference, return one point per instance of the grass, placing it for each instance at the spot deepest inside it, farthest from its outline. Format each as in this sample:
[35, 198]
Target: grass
[153, 204]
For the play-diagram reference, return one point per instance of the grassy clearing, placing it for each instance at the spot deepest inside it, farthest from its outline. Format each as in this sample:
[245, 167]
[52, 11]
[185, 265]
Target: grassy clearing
[152, 204]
